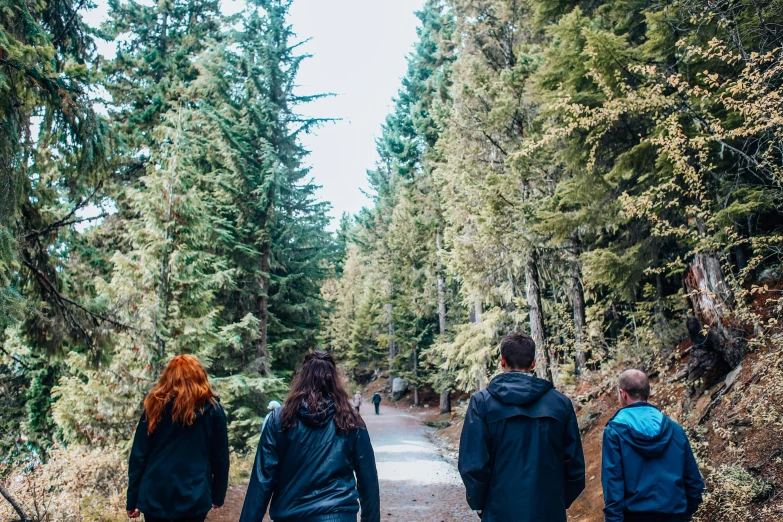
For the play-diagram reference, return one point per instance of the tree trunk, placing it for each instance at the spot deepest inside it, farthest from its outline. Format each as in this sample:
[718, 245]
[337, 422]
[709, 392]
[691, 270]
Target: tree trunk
[415, 377]
[482, 375]
[262, 349]
[536, 317]
[710, 295]
[445, 399]
[14, 504]
[713, 304]
[578, 304]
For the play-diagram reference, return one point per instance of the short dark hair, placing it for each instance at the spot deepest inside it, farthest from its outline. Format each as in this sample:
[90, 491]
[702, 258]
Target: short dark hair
[636, 384]
[519, 351]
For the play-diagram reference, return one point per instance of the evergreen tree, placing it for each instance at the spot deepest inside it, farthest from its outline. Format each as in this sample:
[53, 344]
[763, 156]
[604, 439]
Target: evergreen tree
[52, 147]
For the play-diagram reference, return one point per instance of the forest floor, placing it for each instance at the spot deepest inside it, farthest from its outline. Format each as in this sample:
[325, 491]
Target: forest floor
[417, 482]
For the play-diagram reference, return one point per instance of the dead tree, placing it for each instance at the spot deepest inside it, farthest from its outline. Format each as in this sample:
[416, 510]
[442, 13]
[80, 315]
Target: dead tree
[708, 364]
[713, 306]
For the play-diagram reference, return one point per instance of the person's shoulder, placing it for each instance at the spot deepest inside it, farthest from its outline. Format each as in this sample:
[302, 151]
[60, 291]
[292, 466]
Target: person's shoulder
[480, 400]
[676, 428]
[214, 409]
[559, 399]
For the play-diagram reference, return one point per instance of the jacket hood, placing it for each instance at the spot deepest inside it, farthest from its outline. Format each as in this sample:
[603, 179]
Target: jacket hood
[644, 428]
[317, 417]
[518, 388]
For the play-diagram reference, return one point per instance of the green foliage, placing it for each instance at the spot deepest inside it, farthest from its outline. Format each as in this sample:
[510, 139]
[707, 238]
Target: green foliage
[208, 238]
[572, 160]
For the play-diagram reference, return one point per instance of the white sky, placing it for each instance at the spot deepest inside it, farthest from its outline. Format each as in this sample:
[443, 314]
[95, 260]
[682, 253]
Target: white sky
[359, 49]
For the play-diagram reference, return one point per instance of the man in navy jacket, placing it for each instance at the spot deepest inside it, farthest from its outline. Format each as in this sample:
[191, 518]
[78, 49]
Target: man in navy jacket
[520, 455]
[649, 473]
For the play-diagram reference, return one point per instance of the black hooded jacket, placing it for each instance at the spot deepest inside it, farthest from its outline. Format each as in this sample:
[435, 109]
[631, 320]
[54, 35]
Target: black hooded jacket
[520, 454]
[308, 472]
[179, 471]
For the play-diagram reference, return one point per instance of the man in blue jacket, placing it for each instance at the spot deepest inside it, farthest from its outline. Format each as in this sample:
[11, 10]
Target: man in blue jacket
[649, 473]
[520, 455]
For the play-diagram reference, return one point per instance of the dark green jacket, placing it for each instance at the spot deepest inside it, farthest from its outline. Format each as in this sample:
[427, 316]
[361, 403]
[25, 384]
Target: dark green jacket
[179, 471]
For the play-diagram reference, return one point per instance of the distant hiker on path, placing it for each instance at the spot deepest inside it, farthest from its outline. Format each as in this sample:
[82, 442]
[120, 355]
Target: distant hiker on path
[309, 452]
[178, 466]
[520, 455]
[357, 401]
[376, 400]
[272, 406]
[649, 473]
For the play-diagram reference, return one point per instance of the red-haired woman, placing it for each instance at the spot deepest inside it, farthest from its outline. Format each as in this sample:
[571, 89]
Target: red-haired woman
[178, 467]
[309, 452]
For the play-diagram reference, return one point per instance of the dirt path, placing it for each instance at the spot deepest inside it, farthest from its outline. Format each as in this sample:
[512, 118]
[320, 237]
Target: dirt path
[417, 484]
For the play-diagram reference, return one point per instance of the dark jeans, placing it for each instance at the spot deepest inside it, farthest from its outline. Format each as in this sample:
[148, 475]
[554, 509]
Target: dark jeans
[197, 518]
[377, 405]
[357, 408]
[652, 517]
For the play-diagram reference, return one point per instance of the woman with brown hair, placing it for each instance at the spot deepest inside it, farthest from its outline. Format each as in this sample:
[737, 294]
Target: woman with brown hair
[178, 466]
[314, 460]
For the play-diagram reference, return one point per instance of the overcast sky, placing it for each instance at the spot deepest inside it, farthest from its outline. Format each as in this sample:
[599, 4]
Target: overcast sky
[359, 49]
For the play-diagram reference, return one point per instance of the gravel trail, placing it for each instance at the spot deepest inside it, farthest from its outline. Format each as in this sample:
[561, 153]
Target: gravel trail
[417, 484]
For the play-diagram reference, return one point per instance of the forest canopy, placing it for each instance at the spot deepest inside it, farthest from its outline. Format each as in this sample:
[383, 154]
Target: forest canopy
[153, 204]
[590, 173]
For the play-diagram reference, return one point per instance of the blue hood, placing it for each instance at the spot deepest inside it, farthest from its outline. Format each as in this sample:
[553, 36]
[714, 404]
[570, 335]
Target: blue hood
[644, 428]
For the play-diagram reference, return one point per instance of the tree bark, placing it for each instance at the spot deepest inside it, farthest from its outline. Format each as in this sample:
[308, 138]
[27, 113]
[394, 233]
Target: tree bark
[14, 504]
[415, 377]
[262, 348]
[482, 375]
[445, 398]
[710, 295]
[578, 304]
[713, 303]
[537, 331]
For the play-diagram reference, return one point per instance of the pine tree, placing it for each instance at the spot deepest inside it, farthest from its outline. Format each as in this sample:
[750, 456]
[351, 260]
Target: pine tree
[52, 148]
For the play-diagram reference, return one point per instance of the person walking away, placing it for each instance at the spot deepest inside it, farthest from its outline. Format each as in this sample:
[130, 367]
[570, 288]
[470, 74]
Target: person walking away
[357, 401]
[376, 400]
[272, 406]
[648, 470]
[314, 461]
[178, 465]
[520, 454]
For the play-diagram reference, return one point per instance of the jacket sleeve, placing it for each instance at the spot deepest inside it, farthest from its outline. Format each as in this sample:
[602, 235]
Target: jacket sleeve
[574, 460]
[263, 478]
[694, 485]
[612, 477]
[137, 462]
[366, 477]
[474, 450]
[219, 457]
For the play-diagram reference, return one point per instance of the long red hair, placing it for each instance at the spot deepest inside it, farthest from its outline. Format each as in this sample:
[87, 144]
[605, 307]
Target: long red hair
[185, 382]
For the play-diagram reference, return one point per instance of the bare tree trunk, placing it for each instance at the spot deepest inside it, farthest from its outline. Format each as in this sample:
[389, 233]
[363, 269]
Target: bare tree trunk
[713, 303]
[389, 316]
[415, 377]
[262, 349]
[578, 304]
[709, 293]
[445, 398]
[482, 376]
[14, 504]
[536, 317]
